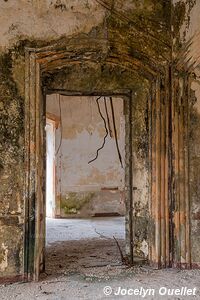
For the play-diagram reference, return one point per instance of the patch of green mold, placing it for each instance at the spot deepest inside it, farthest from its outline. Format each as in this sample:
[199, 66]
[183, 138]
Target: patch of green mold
[74, 202]
[140, 118]
[148, 32]
[11, 111]
[181, 12]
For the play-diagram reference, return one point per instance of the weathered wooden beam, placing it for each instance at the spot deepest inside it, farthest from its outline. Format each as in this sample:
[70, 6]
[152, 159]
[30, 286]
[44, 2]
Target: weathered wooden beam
[181, 181]
[153, 257]
[158, 176]
[187, 198]
[163, 176]
[167, 157]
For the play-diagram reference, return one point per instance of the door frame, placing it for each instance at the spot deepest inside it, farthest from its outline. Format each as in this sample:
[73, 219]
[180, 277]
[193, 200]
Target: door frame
[35, 119]
[127, 97]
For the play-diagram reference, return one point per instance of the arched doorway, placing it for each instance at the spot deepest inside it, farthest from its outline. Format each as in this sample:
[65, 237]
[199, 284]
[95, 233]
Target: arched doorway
[91, 69]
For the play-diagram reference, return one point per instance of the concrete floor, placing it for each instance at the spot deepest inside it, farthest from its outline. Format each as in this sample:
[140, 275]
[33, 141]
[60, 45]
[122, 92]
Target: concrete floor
[83, 262]
[76, 287]
[58, 230]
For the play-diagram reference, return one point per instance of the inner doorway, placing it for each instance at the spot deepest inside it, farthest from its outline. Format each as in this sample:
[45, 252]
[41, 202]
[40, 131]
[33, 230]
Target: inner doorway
[85, 145]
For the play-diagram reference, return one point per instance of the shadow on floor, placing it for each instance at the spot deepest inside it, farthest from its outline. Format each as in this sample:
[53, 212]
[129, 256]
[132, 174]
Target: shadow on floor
[84, 256]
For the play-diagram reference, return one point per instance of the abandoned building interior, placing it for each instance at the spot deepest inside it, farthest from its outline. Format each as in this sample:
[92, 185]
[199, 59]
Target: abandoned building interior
[99, 136]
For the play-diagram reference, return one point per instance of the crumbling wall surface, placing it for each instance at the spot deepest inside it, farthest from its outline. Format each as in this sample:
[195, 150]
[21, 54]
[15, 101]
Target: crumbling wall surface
[11, 170]
[138, 37]
[187, 62]
[192, 37]
[194, 137]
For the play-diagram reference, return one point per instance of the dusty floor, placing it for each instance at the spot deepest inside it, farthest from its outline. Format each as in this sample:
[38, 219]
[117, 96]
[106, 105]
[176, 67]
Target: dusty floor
[76, 246]
[82, 259]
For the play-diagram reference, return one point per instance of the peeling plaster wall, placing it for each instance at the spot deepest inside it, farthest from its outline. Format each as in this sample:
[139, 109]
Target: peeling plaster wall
[11, 171]
[46, 19]
[83, 132]
[141, 171]
[190, 35]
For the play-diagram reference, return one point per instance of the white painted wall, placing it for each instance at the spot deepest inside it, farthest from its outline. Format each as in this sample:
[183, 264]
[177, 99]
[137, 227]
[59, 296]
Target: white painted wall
[50, 169]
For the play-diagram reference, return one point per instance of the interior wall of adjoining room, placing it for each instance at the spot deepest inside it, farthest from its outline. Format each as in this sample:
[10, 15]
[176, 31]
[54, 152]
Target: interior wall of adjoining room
[85, 187]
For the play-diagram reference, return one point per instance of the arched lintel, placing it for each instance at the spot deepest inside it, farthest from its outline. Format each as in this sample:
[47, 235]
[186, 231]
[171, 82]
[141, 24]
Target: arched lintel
[59, 55]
